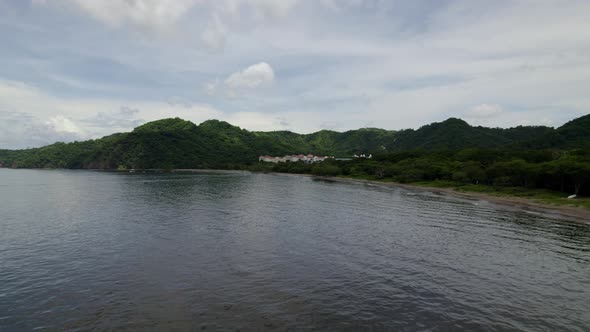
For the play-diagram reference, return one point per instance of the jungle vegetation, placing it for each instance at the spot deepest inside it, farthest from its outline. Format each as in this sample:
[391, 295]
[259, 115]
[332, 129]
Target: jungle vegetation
[525, 156]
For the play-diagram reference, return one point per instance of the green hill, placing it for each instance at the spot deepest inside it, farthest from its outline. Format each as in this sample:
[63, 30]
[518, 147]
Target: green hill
[327, 142]
[176, 143]
[456, 134]
[574, 134]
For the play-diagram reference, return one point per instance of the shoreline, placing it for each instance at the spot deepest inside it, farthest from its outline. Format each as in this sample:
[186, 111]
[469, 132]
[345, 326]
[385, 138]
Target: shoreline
[577, 214]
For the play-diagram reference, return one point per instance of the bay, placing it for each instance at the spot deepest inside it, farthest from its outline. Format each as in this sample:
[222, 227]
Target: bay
[86, 250]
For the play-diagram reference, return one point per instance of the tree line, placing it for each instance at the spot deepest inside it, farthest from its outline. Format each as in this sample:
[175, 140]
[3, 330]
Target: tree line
[565, 171]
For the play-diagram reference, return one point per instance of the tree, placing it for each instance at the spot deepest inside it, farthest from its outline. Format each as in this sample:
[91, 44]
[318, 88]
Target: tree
[579, 173]
[474, 172]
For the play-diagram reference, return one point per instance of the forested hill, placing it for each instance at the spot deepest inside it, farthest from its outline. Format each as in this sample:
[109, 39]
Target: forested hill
[456, 134]
[176, 143]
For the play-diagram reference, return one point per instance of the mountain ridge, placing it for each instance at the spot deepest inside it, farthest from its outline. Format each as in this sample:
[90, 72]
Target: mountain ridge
[178, 143]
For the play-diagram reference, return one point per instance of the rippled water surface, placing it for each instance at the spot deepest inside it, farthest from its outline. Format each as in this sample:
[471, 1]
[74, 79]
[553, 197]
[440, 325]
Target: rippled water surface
[83, 250]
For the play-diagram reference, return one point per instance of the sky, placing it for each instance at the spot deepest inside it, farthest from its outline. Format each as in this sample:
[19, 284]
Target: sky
[81, 69]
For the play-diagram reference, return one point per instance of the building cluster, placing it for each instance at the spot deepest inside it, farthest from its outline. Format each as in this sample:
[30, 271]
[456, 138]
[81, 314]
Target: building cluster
[363, 156]
[309, 158]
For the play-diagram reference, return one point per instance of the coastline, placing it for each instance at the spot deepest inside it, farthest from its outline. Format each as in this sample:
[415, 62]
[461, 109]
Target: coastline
[577, 214]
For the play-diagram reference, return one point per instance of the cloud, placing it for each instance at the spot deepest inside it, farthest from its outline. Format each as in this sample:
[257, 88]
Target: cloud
[211, 87]
[215, 34]
[396, 64]
[62, 124]
[152, 14]
[485, 111]
[330, 125]
[23, 130]
[256, 121]
[254, 76]
[179, 101]
[123, 119]
[339, 5]
[31, 117]
[272, 8]
[283, 122]
[162, 15]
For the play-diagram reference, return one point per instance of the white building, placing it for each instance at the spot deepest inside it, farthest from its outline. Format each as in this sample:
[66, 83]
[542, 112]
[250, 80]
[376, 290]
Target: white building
[309, 158]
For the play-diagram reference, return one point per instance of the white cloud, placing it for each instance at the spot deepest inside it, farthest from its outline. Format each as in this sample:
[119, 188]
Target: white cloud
[338, 5]
[252, 77]
[179, 101]
[62, 124]
[160, 15]
[30, 117]
[145, 13]
[252, 120]
[355, 61]
[272, 8]
[214, 35]
[211, 87]
[22, 130]
[226, 14]
[124, 119]
[485, 111]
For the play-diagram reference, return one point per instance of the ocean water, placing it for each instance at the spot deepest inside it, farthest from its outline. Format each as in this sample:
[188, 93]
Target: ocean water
[228, 251]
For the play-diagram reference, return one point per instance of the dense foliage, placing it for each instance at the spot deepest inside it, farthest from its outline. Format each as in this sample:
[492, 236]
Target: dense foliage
[539, 157]
[456, 134]
[547, 169]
